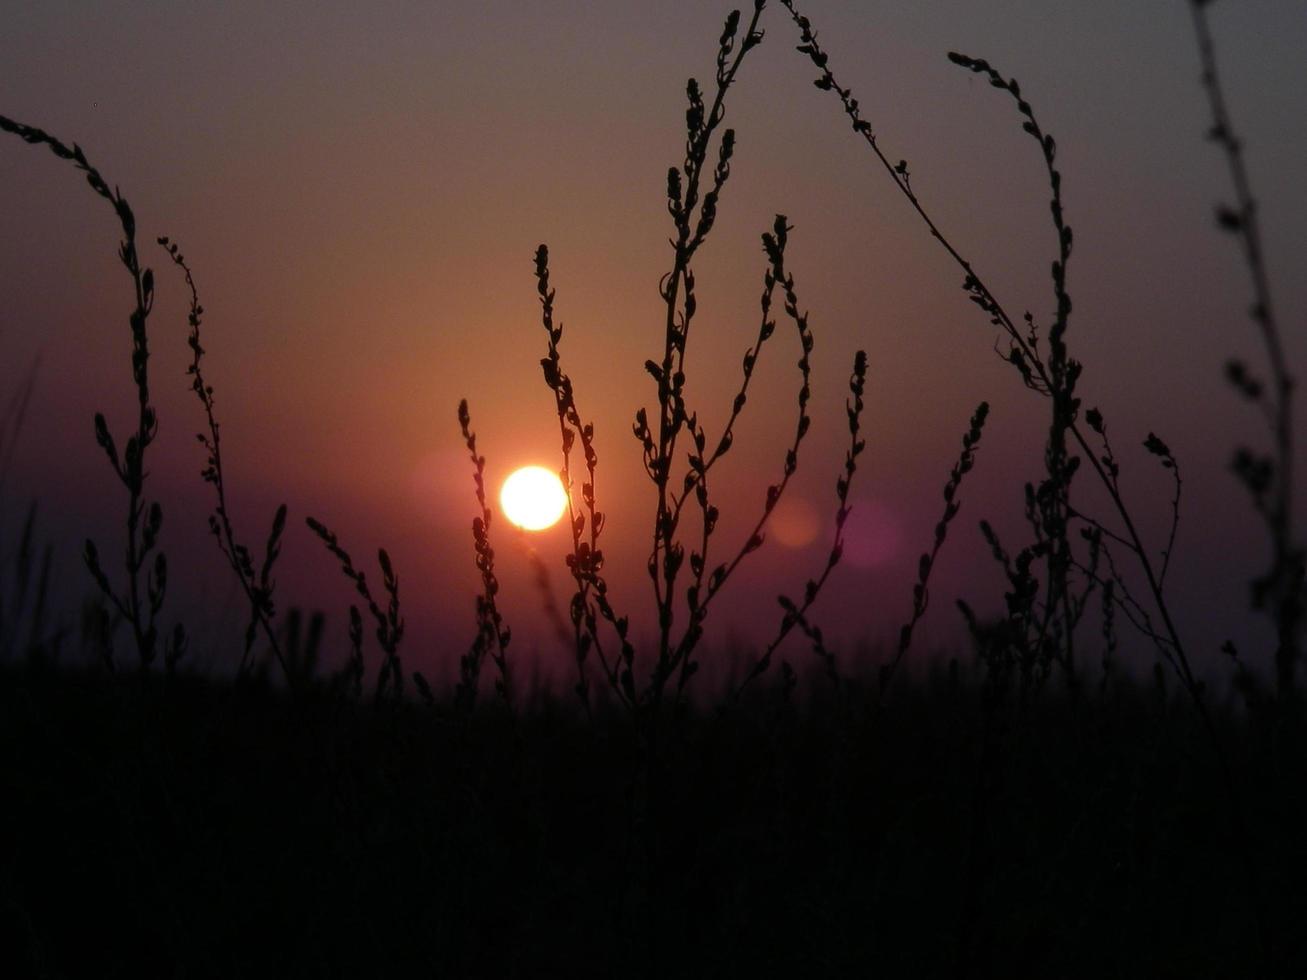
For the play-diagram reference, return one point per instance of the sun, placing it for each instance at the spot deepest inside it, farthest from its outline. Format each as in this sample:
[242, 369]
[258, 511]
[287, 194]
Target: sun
[533, 498]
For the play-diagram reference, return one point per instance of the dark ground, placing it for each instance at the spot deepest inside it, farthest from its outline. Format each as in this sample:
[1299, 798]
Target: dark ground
[179, 827]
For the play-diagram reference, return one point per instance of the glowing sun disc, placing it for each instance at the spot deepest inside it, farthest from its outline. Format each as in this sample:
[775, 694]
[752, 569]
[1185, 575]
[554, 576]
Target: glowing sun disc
[533, 498]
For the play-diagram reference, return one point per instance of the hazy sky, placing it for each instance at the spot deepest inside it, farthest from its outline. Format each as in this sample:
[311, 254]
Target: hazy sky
[361, 188]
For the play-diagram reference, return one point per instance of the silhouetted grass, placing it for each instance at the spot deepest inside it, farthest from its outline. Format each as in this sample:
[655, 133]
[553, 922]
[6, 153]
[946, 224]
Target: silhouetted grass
[1268, 477]
[258, 587]
[389, 623]
[693, 196]
[492, 635]
[140, 601]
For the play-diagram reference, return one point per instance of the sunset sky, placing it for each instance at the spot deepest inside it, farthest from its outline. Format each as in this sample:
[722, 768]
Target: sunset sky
[361, 188]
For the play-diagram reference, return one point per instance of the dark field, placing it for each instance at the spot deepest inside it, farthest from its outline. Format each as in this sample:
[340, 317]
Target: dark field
[177, 827]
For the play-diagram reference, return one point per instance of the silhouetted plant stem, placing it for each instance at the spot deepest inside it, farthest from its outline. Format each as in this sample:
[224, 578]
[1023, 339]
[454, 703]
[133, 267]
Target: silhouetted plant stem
[585, 564]
[142, 601]
[493, 635]
[700, 596]
[693, 210]
[257, 586]
[1055, 378]
[795, 613]
[926, 564]
[389, 624]
[702, 462]
[667, 556]
[1268, 479]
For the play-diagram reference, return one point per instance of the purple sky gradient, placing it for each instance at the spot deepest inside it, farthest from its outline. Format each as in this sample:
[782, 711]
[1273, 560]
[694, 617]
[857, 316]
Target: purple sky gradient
[361, 188]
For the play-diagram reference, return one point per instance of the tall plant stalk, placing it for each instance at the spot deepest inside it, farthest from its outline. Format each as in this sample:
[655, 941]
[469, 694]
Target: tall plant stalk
[140, 600]
[1268, 477]
[1054, 376]
[257, 586]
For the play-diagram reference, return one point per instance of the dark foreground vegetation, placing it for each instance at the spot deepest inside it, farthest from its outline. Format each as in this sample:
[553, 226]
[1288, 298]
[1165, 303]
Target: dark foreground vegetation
[1027, 810]
[179, 827]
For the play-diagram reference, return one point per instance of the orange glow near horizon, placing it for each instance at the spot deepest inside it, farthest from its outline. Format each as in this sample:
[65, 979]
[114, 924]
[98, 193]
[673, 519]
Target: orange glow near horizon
[795, 523]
